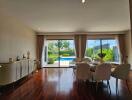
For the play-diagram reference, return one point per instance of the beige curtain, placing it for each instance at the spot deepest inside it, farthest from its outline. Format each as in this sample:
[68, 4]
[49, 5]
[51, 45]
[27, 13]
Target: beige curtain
[76, 41]
[80, 45]
[130, 6]
[40, 43]
[83, 45]
[122, 48]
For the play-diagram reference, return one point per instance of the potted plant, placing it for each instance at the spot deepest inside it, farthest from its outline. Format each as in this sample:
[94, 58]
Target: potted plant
[101, 55]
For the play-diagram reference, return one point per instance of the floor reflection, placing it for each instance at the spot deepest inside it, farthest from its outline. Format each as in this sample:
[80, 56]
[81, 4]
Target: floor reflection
[65, 82]
[62, 77]
[61, 84]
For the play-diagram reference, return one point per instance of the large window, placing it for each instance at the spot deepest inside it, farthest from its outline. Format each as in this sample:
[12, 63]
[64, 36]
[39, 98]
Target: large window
[60, 53]
[108, 47]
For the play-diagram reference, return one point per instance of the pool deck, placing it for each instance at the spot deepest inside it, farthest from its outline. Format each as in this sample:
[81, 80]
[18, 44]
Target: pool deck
[62, 64]
[69, 57]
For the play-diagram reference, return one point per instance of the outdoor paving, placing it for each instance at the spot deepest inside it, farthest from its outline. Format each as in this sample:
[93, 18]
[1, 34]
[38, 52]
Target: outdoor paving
[62, 64]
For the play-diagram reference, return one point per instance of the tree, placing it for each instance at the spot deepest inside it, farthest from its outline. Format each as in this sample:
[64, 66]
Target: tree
[109, 54]
[66, 44]
[89, 52]
[59, 44]
[108, 57]
[50, 46]
[62, 44]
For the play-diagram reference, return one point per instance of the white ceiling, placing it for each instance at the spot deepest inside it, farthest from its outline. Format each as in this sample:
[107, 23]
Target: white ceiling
[70, 15]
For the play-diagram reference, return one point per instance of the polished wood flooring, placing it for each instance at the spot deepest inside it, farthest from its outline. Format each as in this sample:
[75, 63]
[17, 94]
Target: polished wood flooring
[61, 84]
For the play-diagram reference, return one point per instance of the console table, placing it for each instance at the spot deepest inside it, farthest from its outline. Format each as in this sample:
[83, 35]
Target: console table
[14, 71]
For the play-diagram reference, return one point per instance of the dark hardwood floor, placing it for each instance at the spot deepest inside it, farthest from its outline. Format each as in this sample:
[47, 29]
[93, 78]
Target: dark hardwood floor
[61, 84]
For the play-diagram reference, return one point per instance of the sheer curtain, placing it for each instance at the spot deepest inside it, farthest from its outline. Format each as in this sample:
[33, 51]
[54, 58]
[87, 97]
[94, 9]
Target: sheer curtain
[80, 45]
[40, 44]
[122, 48]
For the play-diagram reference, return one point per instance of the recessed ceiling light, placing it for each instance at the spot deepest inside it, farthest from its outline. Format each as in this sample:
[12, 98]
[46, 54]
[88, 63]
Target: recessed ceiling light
[83, 1]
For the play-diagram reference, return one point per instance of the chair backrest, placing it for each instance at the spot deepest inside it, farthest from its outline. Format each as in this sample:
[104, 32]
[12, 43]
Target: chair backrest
[103, 71]
[88, 60]
[76, 60]
[121, 71]
[83, 71]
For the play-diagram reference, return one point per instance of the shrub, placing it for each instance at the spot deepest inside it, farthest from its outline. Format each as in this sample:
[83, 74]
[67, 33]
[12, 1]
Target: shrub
[49, 52]
[65, 55]
[69, 51]
[89, 52]
[53, 56]
[109, 55]
[50, 60]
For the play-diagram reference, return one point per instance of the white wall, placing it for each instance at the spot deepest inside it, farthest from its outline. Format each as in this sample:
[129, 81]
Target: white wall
[15, 38]
[128, 46]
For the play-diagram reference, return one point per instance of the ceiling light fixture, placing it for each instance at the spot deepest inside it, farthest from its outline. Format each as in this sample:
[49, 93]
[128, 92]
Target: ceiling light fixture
[83, 1]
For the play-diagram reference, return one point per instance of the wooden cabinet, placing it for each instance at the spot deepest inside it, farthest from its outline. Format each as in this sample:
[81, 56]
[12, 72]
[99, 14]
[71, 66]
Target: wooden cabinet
[11, 72]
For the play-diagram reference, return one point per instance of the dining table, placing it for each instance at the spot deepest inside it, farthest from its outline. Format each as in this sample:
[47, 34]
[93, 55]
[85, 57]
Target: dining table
[94, 65]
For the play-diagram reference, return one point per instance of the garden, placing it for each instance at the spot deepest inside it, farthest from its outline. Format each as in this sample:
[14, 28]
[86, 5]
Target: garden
[62, 48]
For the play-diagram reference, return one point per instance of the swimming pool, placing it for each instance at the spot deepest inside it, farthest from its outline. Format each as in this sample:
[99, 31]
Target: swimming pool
[66, 58]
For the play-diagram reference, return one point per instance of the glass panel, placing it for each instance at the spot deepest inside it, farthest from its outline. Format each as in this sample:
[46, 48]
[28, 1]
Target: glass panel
[67, 52]
[109, 48]
[60, 53]
[93, 48]
[53, 53]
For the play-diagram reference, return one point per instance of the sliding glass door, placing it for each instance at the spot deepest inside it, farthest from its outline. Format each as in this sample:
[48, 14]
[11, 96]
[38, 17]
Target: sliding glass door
[108, 47]
[60, 53]
[53, 53]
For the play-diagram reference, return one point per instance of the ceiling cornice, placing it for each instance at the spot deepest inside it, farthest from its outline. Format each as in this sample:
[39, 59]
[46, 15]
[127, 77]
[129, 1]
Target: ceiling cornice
[73, 33]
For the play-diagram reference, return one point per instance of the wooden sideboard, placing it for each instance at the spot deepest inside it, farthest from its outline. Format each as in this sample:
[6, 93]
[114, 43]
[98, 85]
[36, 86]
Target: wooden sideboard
[14, 71]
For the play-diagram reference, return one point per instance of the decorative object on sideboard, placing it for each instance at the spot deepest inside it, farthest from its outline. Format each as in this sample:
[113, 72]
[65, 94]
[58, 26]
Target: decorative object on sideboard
[17, 58]
[24, 56]
[28, 55]
[10, 59]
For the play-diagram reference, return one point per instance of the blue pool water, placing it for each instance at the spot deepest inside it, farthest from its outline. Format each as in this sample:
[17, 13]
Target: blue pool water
[66, 59]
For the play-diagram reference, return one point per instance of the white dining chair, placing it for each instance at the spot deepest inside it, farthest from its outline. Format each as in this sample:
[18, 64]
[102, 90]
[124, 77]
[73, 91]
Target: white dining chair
[87, 60]
[83, 72]
[102, 72]
[121, 72]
